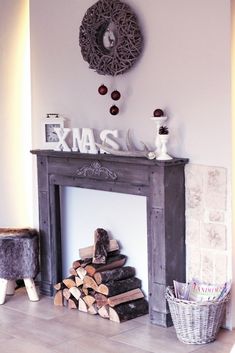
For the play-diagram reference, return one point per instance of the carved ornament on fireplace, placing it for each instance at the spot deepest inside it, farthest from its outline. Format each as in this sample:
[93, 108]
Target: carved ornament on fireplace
[95, 169]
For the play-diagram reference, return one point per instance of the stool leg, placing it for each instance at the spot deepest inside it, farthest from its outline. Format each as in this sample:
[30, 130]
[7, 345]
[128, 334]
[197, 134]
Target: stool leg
[3, 290]
[11, 287]
[31, 289]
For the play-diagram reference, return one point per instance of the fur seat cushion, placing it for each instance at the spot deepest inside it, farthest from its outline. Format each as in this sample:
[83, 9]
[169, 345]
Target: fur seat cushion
[18, 253]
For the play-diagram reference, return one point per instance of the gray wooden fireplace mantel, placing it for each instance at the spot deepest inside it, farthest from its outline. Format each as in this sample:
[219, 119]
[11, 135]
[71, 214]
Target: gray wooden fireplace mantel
[163, 184]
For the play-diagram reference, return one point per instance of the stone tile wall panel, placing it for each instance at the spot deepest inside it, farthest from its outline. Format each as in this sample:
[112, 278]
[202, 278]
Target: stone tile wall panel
[206, 227]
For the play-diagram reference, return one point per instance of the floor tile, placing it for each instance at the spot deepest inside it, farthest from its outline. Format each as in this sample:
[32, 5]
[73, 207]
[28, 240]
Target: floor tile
[44, 308]
[15, 345]
[215, 347]
[44, 332]
[96, 344]
[41, 327]
[143, 320]
[4, 337]
[226, 336]
[155, 339]
[95, 323]
[9, 317]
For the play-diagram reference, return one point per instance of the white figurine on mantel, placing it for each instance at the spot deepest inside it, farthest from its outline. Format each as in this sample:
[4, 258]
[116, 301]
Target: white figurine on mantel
[163, 136]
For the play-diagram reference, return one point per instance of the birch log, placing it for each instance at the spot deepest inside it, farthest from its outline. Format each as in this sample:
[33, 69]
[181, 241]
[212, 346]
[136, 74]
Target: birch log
[116, 287]
[128, 311]
[116, 274]
[101, 244]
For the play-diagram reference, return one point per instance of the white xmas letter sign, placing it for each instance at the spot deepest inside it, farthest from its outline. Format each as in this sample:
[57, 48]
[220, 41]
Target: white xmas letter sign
[84, 143]
[62, 134]
[108, 141]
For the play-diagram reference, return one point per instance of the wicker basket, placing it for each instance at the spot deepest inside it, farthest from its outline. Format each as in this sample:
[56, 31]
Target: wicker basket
[195, 322]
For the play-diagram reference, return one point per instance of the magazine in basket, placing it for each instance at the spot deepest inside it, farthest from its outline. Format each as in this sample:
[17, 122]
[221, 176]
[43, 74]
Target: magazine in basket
[199, 291]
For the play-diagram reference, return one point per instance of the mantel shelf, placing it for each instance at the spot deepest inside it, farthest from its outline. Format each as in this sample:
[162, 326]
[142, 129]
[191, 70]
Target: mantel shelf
[109, 157]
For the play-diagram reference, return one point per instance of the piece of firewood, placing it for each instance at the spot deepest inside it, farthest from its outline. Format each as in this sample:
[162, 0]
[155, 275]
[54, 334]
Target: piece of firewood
[81, 272]
[117, 287]
[128, 311]
[86, 261]
[84, 290]
[78, 281]
[101, 245]
[82, 305]
[131, 295]
[104, 312]
[75, 292]
[59, 286]
[89, 282]
[111, 263]
[76, 264]
[72, 303]
[82, 262]
[66, 293]
[86, 253]
[72, 271]
[89, 300]
[101, 300]
[92, 309]
[58, 298]
[116, 274]
[70, 282]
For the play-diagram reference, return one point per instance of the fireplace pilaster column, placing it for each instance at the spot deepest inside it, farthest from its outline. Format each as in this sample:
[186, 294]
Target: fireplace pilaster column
[166, 237]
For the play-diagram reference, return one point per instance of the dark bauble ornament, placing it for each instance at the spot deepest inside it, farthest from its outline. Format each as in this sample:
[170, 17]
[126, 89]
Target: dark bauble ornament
[115, 95]
[158, 112]
[102, 90]
[114, 110]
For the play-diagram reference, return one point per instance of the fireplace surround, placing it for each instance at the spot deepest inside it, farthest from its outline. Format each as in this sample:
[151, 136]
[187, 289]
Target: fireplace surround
[161, 182]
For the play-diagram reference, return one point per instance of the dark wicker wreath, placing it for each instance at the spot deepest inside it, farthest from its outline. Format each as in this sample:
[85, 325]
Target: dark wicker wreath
[110, 37]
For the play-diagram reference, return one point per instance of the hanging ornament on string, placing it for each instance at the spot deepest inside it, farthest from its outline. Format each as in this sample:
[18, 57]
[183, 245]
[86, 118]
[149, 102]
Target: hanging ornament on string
[115, 95]
[114, 110]
[103, 90]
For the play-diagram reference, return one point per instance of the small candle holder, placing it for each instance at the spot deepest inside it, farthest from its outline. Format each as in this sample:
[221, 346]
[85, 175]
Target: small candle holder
[163, 156]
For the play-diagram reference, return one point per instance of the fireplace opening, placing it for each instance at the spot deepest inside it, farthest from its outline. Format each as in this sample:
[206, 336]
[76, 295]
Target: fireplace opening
[123, 216]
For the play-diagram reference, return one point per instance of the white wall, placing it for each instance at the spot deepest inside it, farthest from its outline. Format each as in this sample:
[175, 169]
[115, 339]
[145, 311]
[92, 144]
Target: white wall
[15, 135]
[123, 216]
[185, 70]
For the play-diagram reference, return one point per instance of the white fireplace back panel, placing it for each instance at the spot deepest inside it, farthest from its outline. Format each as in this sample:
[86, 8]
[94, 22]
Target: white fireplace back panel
[123, 216]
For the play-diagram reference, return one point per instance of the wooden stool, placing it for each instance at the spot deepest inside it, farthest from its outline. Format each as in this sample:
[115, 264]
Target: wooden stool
[18, 260]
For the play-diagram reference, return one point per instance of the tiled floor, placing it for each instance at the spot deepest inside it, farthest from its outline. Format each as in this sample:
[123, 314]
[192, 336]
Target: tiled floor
[40, 327]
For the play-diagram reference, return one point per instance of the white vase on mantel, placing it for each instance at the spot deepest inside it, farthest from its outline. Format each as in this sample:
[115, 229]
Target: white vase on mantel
[163, 156]
[159, 121]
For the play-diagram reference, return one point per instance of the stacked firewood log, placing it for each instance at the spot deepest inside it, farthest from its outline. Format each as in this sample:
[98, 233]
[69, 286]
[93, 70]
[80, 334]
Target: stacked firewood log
[100, 283]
